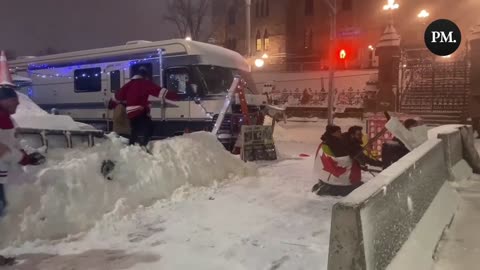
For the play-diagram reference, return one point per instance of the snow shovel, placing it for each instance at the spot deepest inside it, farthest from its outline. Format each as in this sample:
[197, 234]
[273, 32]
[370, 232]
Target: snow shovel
[107, 168]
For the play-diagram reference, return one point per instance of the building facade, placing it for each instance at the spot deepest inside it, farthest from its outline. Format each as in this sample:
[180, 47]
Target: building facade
[295, 34]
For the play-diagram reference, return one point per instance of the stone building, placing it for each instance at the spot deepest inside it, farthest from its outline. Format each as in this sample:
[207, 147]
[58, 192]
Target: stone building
[295, 34]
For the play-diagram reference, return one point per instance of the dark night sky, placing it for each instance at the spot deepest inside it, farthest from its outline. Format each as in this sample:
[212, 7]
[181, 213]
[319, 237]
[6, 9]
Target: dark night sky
[29, 26]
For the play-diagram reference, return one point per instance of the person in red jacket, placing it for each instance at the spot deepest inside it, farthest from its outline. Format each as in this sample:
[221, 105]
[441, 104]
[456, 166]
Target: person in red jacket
[135, 95]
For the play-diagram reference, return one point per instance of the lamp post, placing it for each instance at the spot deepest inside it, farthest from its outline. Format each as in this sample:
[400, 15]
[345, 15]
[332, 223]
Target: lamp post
[333, 44]
[423, 14]
[248, 26]
[391, 6]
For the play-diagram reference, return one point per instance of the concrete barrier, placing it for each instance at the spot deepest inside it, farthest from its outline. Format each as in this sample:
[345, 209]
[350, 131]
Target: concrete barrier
[396, 220]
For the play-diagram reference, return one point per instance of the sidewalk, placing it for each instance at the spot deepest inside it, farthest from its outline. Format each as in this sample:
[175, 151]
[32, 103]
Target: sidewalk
[460, 248]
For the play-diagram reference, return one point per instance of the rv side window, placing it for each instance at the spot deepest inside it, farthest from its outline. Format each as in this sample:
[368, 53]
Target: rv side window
[115, 81]
[178, 79]
[88, 80]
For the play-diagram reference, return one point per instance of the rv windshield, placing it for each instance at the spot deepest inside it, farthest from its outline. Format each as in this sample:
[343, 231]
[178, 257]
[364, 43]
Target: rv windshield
[219, 79]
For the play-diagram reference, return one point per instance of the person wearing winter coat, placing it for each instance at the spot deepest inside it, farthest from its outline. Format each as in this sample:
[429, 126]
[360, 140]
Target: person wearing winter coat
[135, 95]
[354, 142]
[339, 161]
[395, 149]
[335, 171]
[10, 151]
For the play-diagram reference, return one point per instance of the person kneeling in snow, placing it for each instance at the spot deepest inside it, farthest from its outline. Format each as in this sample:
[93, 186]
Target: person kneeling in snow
[10, 152]
[338, 162]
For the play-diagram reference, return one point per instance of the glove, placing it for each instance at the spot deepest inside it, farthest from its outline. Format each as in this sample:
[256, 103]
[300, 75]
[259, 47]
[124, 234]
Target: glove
[37, 159]
[112, 104]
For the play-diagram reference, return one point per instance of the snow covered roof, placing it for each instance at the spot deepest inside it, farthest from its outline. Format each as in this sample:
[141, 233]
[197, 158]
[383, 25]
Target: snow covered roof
[390, 38]
[208, 54]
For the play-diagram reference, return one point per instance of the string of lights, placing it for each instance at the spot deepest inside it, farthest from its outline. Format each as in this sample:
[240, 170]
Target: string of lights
[69, 73]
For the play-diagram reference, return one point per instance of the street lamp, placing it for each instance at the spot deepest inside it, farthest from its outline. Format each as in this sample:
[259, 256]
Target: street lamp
[423, 14]
[391, 5]
[370, 47]
[259, 63]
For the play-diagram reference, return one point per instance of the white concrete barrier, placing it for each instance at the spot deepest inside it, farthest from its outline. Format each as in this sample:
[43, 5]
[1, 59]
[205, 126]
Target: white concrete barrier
[396, 220]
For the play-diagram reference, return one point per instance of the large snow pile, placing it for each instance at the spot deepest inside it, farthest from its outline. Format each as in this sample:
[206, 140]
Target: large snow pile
[70, 195]
[29, 115]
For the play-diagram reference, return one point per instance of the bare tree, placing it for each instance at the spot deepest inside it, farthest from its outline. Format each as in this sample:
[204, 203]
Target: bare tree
[188, 16]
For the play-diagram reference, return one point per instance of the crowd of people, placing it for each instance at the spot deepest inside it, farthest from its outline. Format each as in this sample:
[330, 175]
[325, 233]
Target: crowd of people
[341, 157]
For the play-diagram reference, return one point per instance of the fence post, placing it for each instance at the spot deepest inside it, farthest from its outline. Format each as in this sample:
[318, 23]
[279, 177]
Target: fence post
[388, 50]
[433, 86]
[474, 106]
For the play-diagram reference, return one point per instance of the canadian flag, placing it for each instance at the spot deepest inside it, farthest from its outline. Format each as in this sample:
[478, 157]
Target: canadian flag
[338, 171]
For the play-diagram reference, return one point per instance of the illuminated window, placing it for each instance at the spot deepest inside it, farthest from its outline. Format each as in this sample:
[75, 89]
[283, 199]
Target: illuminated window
[259, 41]
[266, 40]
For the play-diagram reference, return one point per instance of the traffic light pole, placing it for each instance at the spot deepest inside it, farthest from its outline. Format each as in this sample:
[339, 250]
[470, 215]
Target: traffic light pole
[333, 43]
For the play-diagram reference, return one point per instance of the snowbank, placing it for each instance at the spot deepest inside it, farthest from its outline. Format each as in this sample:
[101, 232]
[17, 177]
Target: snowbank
[29, 115]
[70, 196]
[27, 107]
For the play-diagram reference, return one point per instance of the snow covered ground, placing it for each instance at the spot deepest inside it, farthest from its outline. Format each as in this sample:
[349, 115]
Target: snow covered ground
[191, 205]
[460, 246]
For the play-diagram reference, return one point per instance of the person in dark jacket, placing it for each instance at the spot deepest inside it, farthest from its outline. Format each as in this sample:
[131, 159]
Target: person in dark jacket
[395, 149]
[333, 138]
[135, 95]
[353, 141]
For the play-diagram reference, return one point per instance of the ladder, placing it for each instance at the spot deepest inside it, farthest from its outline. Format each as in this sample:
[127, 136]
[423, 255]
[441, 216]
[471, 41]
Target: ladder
[238, 87]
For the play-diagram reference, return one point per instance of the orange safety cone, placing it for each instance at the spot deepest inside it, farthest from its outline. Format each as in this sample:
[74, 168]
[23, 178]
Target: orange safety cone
[5, 76]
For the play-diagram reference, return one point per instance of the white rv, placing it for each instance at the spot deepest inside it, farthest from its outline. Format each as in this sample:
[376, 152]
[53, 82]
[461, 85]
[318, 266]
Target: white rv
[80, 84]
